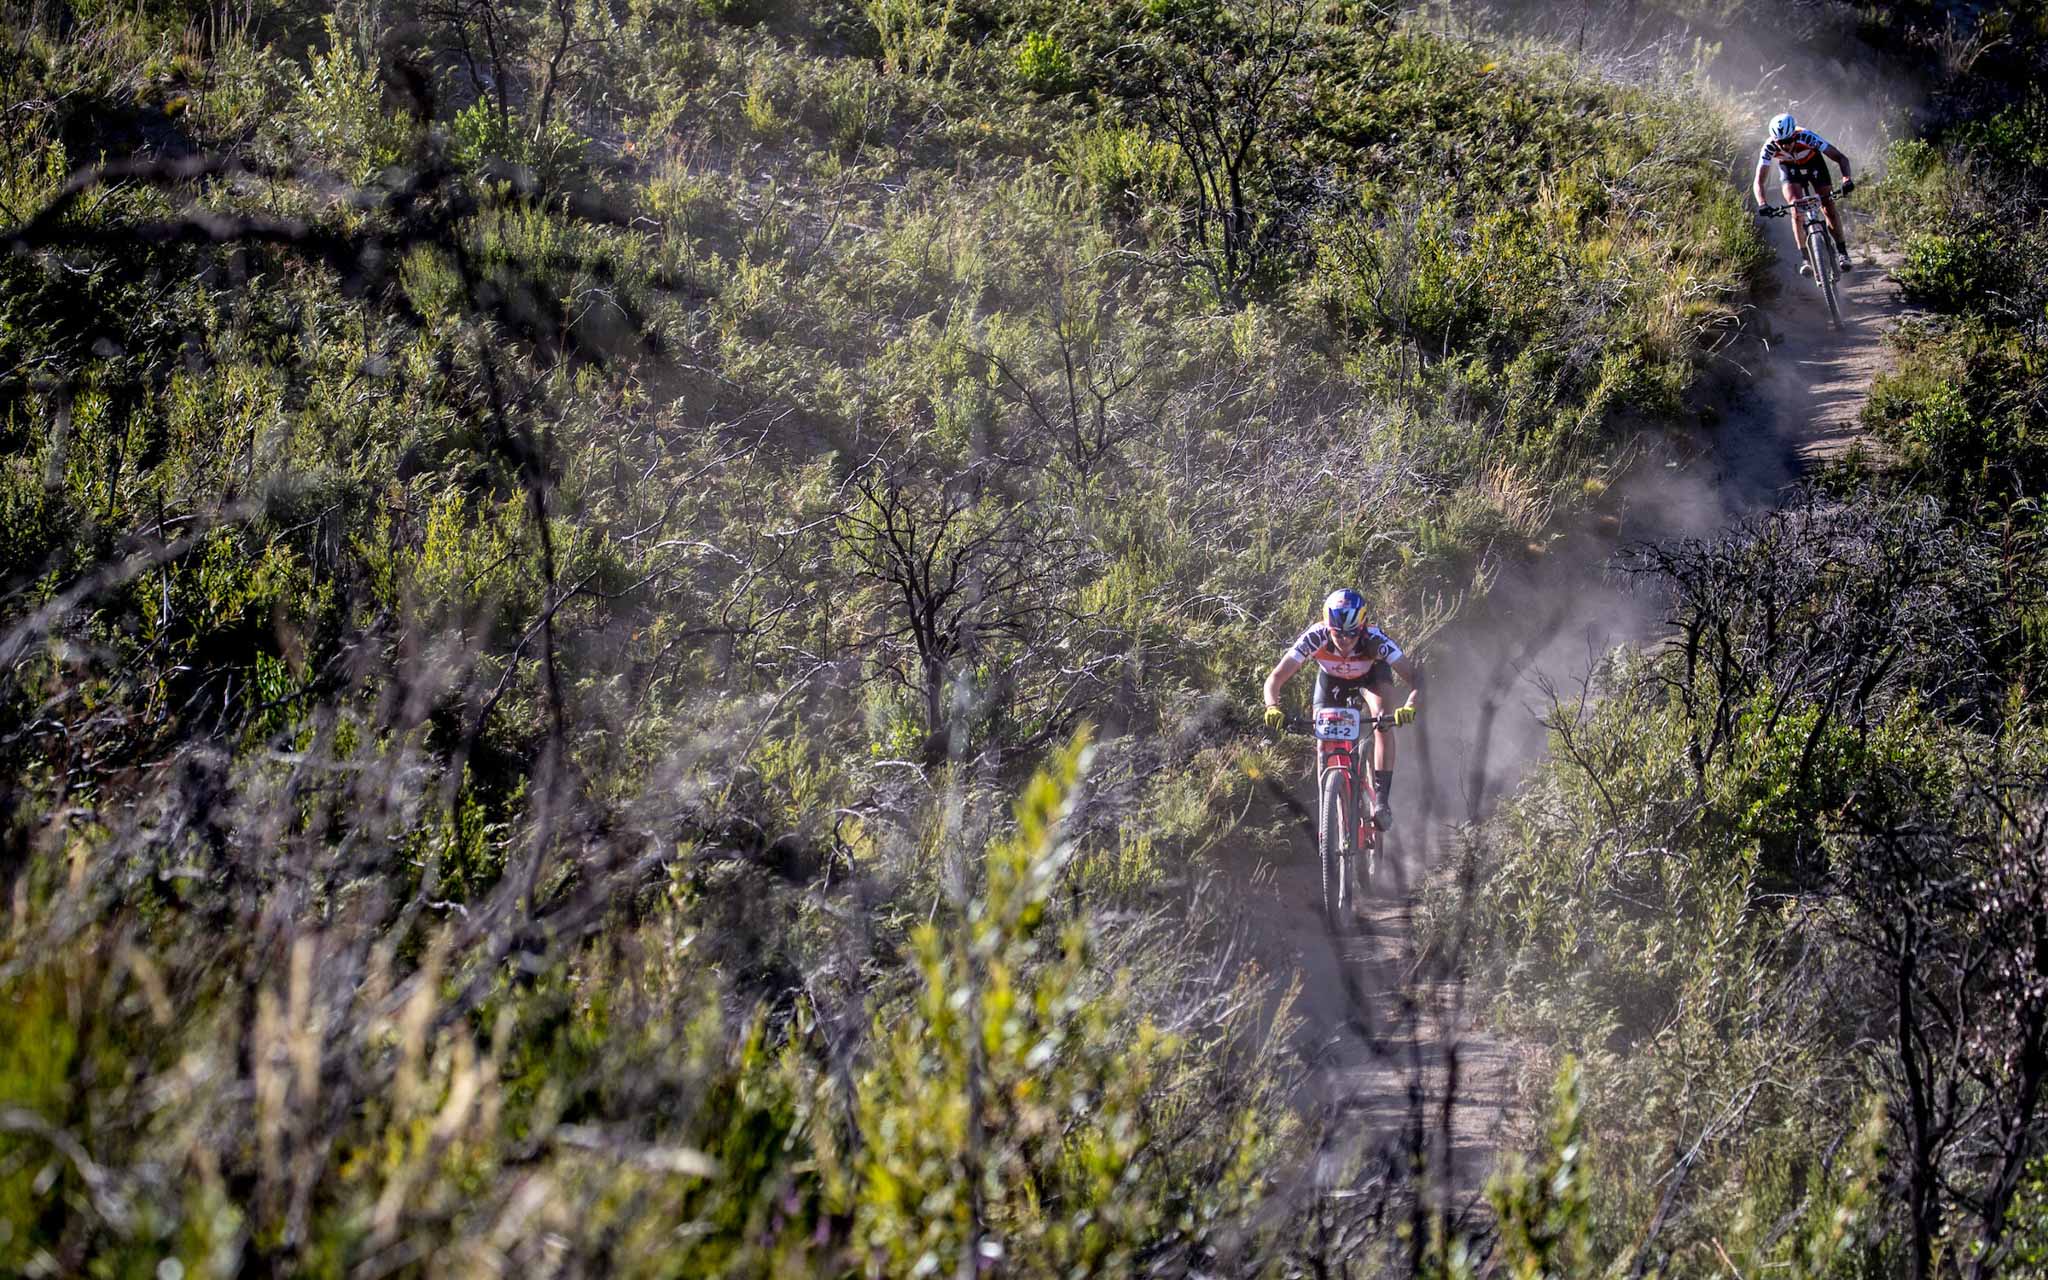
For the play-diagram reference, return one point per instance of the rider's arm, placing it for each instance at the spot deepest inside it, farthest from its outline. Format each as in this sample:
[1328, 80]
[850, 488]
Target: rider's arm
[1407, 669]
[1762, 171]
[1834, 153]
[1282, 672]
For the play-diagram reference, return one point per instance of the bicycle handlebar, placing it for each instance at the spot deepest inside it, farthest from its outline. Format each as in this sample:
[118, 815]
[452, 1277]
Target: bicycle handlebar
[1295, 724]
[1785, 210]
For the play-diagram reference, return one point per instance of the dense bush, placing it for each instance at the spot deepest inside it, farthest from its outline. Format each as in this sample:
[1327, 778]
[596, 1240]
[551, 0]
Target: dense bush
[1967, 398]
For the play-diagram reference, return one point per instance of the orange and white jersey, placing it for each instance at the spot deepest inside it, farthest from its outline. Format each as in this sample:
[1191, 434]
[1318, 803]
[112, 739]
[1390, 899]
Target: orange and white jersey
[1319, 645]
[1801, 151]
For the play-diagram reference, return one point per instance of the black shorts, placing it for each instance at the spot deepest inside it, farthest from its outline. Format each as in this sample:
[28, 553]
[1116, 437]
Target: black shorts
[1335, 691]
[1813, 174]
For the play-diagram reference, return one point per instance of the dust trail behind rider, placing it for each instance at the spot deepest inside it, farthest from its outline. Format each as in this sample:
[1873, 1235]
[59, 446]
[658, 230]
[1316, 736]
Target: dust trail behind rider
[1353, 660]
[1802, 158]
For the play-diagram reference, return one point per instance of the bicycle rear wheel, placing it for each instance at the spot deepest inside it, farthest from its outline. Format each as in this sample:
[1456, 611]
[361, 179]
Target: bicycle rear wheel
[1333, 843]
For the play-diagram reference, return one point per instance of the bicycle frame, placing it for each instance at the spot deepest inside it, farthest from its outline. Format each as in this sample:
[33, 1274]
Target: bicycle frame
[1351, 859]
[1813, 215]
[1340, 756]
[1818, 247]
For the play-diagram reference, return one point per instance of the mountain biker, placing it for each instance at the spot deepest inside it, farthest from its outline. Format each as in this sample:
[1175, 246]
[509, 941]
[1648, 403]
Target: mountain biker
[1802, 158]
[1351, 658]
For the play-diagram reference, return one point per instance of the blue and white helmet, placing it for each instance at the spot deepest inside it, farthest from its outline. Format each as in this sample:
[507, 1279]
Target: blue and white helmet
[1344, 611]
[1783, 126]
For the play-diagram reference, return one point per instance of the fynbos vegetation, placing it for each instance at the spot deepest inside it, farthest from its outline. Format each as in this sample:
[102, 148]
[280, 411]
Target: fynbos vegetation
[624, 631]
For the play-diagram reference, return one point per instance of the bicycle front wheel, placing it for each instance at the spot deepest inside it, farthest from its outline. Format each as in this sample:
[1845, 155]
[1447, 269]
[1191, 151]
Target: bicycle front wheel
[1370, 840]
[1333, 843]
[1821, 245]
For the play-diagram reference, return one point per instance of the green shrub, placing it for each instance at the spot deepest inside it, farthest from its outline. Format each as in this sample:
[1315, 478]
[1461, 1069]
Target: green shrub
[1545, 1212]
[857, 105]
[2029, 1259]
[1956, 407]
[1916, 179]
[340, 118]
[1128, 170]
[1952, 271]
[1044, 64]
[2015, 139]
[245, 82]
[1012, 1100]
[482, 135]
[915, 35]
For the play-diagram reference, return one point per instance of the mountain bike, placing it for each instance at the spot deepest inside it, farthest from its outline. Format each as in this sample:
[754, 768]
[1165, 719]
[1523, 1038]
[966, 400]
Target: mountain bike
[1820, 243]
[1347, 839]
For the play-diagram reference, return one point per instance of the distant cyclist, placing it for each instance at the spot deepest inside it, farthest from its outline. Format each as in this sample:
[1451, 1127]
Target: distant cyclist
[1352, 660]
[1802, 158]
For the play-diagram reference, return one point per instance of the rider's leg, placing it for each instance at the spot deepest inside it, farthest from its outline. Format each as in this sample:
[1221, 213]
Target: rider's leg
[1794, 192]
[1382, 739]
[1834, 217]
[1376, 687]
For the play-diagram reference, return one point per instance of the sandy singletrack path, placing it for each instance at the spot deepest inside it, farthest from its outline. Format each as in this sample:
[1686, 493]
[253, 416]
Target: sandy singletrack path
[1810, 381]
[1400, 1065]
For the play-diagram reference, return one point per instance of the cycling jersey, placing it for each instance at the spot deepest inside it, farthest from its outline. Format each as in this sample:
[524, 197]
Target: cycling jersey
[1798, 157]
[1318, 645]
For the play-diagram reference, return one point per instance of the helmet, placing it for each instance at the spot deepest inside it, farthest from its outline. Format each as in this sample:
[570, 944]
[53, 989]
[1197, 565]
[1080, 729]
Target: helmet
[1344, 610]
[1784, 126]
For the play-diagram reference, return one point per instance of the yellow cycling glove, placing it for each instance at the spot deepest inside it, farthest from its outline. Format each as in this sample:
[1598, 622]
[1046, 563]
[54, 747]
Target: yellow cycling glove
[1404, 715]
[1276, 719]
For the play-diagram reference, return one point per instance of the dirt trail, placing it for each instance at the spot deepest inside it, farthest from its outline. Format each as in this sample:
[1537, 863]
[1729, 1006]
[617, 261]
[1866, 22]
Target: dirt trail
[1810, 381]
[1385, 1032]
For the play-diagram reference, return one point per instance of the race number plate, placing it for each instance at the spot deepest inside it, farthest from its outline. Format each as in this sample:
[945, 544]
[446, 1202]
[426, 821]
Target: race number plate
[1337, 724]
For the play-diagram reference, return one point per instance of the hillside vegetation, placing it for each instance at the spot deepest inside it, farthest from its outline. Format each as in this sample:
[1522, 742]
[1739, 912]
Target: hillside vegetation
[542, 538]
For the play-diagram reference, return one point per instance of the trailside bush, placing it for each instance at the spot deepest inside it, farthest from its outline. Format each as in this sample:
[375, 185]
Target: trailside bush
[1962, 406]
[1948, 272]
[1965, 402]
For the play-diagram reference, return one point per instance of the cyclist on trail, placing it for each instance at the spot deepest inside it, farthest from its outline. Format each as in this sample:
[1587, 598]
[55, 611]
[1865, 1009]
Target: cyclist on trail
[1802, 158]
[1351, 659]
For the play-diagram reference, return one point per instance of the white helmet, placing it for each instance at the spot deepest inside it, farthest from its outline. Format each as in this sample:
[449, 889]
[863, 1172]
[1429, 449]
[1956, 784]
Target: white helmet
[1784, 126]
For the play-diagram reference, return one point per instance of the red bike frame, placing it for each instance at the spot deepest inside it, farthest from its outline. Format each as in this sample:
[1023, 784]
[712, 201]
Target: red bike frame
[1342, 757]
[1349, 860]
